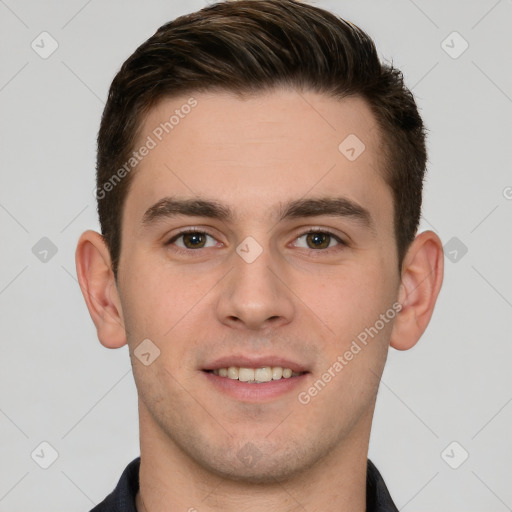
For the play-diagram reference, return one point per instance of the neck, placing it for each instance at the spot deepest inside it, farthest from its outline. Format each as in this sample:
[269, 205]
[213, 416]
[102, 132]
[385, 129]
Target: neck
[170, 479]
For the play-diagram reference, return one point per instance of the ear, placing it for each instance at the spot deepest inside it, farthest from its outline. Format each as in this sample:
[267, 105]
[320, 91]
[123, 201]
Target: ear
[97, 282]
[422, 276]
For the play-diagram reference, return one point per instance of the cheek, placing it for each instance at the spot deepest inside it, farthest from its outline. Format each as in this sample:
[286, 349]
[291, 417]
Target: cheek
[161, 303]
[352, 298]
[352, 309]
[146, 302]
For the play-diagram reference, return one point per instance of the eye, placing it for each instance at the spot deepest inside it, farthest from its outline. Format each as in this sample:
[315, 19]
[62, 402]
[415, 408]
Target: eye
[318, 240]
[192, 240]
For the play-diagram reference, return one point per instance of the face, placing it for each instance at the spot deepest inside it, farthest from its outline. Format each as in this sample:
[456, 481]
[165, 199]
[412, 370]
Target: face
[251, 240]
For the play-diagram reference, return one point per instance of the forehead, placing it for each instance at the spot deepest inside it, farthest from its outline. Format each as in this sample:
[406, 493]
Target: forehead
[253, 153]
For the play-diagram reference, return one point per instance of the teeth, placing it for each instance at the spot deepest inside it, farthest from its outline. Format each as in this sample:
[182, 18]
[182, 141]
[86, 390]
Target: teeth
[287, 373]
[255, 375]
[277, 372]
[245, 374]
[263, 374]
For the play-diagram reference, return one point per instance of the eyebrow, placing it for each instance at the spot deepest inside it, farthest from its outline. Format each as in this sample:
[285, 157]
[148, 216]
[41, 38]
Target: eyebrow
[341, 207]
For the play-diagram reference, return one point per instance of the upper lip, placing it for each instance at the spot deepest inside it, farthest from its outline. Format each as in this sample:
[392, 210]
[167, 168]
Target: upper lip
[259, 361]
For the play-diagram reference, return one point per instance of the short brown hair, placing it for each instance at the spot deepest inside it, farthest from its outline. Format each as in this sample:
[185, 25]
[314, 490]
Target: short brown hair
[256, 45]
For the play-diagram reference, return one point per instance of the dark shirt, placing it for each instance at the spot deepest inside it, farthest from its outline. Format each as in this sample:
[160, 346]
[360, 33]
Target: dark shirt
[122, 498]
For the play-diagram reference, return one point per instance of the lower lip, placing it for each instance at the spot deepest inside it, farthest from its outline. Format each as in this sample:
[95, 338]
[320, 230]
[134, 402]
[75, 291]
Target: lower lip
[254, 392]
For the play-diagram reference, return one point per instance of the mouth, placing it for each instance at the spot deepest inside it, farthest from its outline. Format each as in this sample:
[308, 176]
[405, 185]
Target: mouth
[256, 375]
[255, 379]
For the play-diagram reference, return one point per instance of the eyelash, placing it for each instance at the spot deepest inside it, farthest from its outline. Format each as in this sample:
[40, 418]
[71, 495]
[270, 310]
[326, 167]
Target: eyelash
[181, 250]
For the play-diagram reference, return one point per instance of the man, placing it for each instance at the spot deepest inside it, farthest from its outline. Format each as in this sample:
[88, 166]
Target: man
[259, 191]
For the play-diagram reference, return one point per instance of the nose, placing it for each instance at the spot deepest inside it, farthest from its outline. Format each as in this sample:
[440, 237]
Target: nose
[255, 294]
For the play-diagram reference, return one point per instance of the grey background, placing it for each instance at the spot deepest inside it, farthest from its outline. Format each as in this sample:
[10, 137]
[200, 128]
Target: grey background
[59, 385]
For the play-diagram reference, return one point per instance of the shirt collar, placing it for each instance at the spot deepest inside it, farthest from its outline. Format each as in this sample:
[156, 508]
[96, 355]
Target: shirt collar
[122, 499]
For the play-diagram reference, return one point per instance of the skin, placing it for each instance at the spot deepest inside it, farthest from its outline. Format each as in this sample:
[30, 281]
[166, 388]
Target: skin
[295, 300]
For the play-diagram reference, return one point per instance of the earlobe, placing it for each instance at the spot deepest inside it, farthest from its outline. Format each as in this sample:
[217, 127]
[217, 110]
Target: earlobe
[96, 279]
[422, 277]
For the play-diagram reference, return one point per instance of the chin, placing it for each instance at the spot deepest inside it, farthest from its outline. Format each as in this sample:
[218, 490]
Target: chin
[261, 473]
[259, 462]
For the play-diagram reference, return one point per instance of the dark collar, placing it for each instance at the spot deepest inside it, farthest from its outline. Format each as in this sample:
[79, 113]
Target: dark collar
[122, 499]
